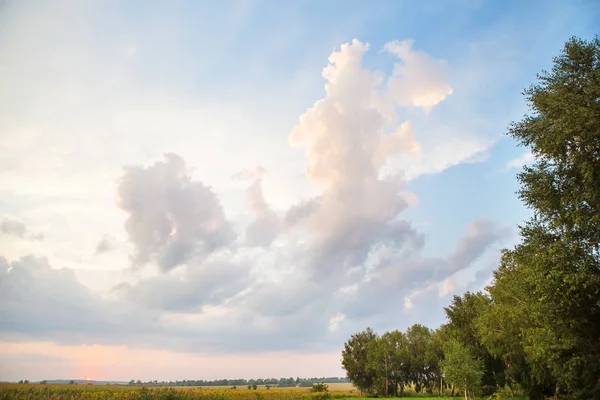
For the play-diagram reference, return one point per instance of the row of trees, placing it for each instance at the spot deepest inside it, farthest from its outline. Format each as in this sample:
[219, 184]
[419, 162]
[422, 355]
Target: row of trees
[537, 326]
[423, 359]
[388, 363]
[281, 382]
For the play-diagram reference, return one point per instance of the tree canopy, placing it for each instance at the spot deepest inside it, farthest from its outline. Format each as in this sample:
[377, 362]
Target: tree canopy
[548, 286]
[462, 368]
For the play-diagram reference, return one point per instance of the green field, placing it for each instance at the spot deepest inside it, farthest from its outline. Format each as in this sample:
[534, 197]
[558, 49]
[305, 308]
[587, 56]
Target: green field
[123, 392]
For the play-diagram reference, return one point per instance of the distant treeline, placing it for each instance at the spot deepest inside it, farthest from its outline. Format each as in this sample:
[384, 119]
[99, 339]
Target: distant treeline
[281, 382]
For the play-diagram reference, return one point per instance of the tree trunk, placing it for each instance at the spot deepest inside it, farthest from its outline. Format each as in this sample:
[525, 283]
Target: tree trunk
[387, 386]
[556, 393]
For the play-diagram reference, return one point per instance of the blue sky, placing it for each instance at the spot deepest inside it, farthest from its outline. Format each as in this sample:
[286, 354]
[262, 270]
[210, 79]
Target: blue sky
[250, 182]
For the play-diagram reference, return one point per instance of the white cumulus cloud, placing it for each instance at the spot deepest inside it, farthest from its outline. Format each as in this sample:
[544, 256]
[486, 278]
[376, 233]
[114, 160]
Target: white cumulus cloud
[418, 80]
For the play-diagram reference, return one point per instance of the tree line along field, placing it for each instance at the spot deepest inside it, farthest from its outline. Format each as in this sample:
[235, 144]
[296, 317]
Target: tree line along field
[10, 391]
[333, 387]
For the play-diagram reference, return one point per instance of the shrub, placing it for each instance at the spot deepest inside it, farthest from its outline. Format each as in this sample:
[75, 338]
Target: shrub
[320, 387]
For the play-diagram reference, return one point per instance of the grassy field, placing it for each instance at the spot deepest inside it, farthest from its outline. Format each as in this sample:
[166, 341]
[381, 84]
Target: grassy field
[77, 392]
[113, 392]
[340, 391]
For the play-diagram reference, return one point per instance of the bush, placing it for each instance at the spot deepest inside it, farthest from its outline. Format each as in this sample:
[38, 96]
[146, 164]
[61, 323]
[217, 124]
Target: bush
[501, 393]
[320, 387]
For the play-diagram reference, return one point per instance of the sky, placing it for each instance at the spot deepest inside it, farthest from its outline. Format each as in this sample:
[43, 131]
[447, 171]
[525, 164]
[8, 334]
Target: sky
[202, 189]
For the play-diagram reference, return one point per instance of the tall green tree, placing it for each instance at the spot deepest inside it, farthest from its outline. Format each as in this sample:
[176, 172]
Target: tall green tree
[387, 360]
[397, 343]
[420, 370]
[435, 356]
[462, 368]
[556, 267]
[500, 328]
[355, 360]
[462, 315]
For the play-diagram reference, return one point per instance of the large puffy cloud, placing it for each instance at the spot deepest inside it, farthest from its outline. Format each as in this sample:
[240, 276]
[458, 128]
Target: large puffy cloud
[171, 217]
[344, 139]
[418, 80]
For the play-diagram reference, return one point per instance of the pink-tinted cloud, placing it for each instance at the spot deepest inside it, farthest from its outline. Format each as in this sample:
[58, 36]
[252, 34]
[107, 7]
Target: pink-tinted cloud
[418, 80]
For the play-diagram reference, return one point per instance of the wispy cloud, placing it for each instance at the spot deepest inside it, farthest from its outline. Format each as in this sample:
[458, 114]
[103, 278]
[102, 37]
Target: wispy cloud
[18, 229]
[519, 162]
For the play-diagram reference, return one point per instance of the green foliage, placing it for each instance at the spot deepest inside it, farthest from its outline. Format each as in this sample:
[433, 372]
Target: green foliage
[461, 368]
[355, 360]
[545, 314]
[463, 315]
[502, 393]
[320, 391]
[320, 387]
[385, 365]
[386, 359]
[501, 328]
[563, 132]
[421, 368]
